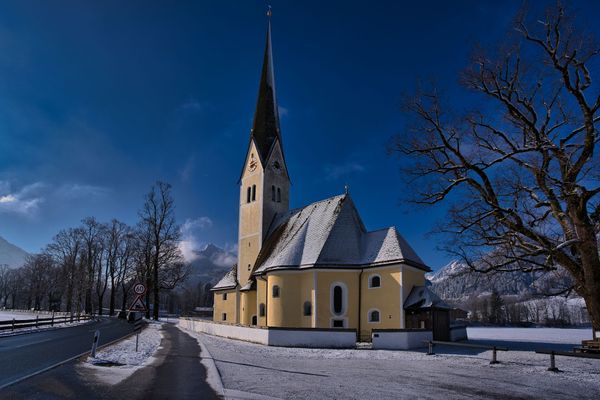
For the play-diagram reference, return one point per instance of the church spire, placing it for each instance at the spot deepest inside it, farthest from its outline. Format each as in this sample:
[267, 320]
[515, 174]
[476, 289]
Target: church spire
[265, 128]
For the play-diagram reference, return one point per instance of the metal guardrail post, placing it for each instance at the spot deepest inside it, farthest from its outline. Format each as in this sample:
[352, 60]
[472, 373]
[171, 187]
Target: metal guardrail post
[13, 324]
[553, 363]
[52, 322]
[430, 352]
[494, 356]
[36, 320]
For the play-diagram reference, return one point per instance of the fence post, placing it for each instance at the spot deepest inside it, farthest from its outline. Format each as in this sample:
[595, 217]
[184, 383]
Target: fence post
[552, 363]
[494, 356]
[430, 352]
[13, 324]
[36, 320]
[52, 321]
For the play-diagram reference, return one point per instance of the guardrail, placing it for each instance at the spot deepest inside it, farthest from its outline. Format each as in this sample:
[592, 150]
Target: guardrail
[37, 322]
[494, 349]
[554, 353]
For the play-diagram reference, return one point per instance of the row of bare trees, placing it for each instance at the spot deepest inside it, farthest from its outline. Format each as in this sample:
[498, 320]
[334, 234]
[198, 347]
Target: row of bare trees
[94, 266]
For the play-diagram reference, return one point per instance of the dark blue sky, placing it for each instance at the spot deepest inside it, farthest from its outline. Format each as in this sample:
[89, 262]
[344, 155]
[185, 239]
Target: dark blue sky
[100, 99]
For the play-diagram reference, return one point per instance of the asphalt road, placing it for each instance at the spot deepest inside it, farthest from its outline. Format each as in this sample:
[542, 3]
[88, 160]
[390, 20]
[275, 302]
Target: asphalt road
[176, 373]
[26, 354]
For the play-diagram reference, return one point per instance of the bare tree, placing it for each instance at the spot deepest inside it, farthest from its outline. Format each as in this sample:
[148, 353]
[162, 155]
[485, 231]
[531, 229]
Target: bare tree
[522, 170]
[160, 235]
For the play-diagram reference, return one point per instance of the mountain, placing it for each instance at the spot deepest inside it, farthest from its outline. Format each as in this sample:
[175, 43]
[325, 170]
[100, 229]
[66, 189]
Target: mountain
[210, 264]
[456, 281]
[11, 255]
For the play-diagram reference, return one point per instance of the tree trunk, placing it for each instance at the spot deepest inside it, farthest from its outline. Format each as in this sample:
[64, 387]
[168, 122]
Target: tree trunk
[156, 289]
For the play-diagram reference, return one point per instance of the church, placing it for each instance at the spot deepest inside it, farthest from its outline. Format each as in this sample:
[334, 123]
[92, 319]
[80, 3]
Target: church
[311, 267]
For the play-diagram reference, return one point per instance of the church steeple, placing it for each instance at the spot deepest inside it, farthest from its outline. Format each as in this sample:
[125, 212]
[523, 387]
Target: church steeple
[265, 128]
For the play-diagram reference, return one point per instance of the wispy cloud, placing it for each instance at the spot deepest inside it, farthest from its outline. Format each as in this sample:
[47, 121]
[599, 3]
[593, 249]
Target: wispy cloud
[186, 172]
[283, 112]
[333, 172]
[28, 199]
[192, 104]
[190, 242]
[24, 201]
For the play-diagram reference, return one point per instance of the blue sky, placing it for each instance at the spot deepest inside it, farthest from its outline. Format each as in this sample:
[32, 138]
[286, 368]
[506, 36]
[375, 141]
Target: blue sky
[100, 99]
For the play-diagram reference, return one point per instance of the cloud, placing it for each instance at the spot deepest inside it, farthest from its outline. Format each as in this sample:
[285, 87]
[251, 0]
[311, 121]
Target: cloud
[333, 172]
[25, 201]
[283, 112]
[189, 242]
[224, 259]
[188, 168]
[192, 104]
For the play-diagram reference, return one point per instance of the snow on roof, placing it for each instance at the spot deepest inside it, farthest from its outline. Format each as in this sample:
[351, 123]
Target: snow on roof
[330, 233]
[229, 281]
[421, 297]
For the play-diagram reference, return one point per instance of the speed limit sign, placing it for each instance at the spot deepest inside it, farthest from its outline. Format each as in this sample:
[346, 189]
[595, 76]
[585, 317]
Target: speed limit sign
[139, 288]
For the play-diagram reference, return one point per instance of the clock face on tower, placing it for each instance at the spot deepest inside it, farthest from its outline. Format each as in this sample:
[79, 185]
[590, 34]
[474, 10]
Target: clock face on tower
[252, 164]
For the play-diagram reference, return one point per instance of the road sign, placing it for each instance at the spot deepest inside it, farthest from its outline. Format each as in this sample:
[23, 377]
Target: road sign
[138, 304]
[139, 288]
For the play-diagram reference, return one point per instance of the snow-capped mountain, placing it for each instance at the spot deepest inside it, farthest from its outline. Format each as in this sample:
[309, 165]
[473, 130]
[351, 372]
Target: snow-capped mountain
[11, 255]
[457, 281]
[210, 264]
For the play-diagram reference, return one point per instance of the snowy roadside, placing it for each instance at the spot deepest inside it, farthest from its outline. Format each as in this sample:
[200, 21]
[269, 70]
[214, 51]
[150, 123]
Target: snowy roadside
[117, 362]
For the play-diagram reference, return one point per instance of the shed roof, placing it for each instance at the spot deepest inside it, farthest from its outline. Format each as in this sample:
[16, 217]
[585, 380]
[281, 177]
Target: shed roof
[422, 298]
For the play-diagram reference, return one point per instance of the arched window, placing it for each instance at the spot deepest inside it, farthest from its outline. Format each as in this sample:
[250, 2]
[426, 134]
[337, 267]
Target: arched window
[249, 195]
[338, 293]
[374, 281]
[261, 309]
[253, 192]
[275, 291]
[279, 195]
[273, 192]
[307, 309]
[374, 316]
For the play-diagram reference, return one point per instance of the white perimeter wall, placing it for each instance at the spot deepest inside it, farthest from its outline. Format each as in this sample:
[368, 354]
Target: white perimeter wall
[274, 337]
[400, 340]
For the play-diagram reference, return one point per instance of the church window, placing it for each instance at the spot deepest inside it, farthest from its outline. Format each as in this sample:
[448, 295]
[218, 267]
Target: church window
[338, 323]
[224, 317]
[339, 298]
[254, 320]
[273, 192]
[261, 309]
[374, 316]
[307, 309]
[275, 291]
[279, 195]
[224, 296]
[248, 267]
[249, 195]
[253, 192]
[374, 281]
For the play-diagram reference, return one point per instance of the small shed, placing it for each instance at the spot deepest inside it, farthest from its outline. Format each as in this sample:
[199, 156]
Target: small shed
[425, 310]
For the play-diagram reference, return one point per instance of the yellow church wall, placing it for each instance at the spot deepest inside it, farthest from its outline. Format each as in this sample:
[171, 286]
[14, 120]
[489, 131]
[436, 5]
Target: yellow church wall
[227, 306]
[325, 280]
[261, 297]
[385, 299]
[247, 306]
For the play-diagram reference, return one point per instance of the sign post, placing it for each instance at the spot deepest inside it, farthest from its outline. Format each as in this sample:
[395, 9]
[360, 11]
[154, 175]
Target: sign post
[138, 306]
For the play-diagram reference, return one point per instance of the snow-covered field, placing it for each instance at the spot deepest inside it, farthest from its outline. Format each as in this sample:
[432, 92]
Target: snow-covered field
[453, 373]
[8, 315]
[123, 357]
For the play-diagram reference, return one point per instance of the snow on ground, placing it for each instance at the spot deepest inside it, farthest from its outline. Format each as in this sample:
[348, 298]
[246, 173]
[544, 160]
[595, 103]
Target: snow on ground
[453, 373]
[118, 361]
[8, 315]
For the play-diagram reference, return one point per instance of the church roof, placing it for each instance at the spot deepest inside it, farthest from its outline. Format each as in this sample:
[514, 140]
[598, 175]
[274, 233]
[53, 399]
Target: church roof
[330, 234]
[265, 127]
[229, 281]
[422, 298]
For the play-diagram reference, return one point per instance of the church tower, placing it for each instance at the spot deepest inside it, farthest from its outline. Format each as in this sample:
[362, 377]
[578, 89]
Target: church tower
[264, 182]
